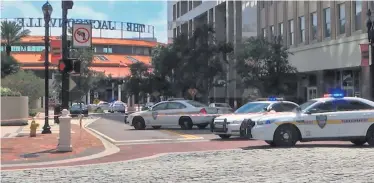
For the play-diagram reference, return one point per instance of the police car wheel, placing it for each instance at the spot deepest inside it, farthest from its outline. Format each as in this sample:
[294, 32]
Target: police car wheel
[185, 123]
[358, 142]
[139, 124]
[271, 143]
[202, 126]
[224, 136]
[370, 136]
[285, 136]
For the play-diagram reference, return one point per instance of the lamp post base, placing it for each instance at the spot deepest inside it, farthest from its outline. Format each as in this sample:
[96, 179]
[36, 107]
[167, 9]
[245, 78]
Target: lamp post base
[46, 130]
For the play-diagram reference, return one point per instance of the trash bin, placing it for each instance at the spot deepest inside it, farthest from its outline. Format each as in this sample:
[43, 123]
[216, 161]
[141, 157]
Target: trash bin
[57, 113]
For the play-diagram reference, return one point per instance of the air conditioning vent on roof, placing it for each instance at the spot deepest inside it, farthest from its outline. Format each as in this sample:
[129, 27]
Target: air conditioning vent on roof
[102, 58]
[132, 59]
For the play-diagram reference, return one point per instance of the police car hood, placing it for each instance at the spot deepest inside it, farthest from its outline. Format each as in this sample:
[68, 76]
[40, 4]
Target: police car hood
[138, 113]
[275, 116]
[239, 117]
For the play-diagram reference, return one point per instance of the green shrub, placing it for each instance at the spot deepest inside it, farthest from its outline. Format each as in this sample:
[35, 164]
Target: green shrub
[6, 92]
[99, 110]
[32, 113]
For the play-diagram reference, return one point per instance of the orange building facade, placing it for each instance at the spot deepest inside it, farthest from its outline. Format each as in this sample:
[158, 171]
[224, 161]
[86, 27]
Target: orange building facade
[112, 56]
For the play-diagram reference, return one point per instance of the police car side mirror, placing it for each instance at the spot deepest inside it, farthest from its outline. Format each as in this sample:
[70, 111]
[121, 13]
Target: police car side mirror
[298, 109]
[266, 109]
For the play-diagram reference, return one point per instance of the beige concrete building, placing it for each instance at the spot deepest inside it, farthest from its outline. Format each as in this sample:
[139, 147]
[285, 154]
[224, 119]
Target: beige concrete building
[233, 21]
[325, 38]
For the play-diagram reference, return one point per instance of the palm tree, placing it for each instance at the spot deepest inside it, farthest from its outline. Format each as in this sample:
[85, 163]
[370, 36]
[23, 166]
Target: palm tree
[9, 65]
[12, 33]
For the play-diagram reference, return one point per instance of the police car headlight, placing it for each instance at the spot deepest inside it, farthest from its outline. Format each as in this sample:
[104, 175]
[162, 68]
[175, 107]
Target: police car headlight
[236, 122]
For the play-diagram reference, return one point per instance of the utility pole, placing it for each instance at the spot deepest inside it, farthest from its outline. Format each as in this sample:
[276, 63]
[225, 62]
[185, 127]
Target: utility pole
[65, 5]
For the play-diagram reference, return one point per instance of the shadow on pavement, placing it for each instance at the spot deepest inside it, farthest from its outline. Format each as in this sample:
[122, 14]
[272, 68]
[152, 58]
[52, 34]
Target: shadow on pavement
[306, 146]
[231, 139]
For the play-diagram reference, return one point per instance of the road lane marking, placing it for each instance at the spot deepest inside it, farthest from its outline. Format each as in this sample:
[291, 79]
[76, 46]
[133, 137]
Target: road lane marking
[185, 136]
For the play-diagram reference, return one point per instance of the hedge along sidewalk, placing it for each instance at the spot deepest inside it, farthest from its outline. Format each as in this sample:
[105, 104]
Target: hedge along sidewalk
[42, 148]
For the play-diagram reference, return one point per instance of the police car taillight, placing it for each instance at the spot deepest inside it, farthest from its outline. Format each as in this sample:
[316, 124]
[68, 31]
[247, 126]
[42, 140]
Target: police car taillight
[203, 111]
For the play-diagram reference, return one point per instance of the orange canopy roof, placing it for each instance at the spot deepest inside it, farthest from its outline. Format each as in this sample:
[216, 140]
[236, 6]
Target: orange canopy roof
[95, 40]
[120, 60]
[29, 57]
[115, 72]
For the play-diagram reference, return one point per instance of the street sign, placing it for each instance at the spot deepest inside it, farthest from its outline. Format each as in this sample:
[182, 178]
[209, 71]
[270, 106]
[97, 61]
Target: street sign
[82, 35]
[96, 95]
[72, 84]
[192, 91]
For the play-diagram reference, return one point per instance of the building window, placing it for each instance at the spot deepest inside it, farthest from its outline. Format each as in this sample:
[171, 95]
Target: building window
[341, 23]
[302, 29]
[313, 29]
[264, 32]
[263, 4]
[327, 23]
[272, 31]
[291, 32]
[280, 29]
[108, 50]
[358, 9]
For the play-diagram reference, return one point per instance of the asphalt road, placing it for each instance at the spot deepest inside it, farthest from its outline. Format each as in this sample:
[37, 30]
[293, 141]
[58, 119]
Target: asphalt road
[114, 129]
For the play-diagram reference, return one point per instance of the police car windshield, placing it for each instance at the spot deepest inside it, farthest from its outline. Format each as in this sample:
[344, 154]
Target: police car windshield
[307, 104]
[252, 107]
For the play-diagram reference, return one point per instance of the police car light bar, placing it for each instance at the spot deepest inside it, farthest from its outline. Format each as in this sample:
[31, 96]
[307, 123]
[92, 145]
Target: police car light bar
[270, 99]
[334, 95]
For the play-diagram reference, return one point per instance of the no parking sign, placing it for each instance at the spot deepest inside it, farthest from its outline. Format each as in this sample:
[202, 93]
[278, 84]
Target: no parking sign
[82, 35]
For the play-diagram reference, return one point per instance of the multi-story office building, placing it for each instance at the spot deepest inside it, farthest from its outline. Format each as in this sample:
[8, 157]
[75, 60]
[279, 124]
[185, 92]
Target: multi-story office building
[232, 20]
[325, 38]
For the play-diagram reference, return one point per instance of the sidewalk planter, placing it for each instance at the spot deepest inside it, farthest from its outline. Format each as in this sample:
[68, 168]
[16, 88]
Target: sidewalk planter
[14, 110]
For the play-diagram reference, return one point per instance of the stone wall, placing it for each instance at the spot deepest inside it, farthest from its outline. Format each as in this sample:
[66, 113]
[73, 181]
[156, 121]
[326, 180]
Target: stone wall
[14, 111]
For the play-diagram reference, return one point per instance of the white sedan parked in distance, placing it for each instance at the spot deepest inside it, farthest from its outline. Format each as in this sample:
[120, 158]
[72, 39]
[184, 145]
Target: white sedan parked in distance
[185, 113]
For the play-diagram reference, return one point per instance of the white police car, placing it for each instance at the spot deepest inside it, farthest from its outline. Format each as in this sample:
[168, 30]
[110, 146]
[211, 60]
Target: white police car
[333, 117]
[230, 125]
[185, 113]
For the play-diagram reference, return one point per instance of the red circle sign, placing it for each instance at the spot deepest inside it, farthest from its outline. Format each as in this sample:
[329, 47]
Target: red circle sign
[82, 35]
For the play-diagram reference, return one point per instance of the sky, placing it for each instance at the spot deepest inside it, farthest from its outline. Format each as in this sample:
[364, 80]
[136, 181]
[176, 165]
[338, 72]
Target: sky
[142, 12]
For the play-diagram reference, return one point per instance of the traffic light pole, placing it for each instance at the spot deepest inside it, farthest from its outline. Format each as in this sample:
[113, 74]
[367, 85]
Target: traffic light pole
[65, 55]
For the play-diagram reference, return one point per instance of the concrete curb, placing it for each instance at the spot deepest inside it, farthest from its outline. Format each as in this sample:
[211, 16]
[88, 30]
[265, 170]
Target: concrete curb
[109, 150]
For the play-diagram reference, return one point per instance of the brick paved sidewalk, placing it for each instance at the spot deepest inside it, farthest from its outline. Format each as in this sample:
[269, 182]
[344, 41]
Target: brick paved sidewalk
[42, 148]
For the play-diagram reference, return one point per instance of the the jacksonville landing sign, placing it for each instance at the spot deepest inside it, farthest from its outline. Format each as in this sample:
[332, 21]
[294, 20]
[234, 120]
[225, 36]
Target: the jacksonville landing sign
[96, 24]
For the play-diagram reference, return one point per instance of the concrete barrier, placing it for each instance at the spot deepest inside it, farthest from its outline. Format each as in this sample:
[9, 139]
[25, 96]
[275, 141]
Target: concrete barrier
[14, 111]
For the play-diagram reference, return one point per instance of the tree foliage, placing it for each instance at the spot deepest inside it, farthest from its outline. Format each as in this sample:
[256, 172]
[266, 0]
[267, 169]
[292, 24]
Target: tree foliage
[9, 65]
[265, 65]
[25, 82]
[88, 79]
[12, 33]
[190, 62]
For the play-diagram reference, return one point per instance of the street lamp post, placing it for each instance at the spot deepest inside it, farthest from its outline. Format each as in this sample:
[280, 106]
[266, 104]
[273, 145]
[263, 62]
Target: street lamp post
[47, 11]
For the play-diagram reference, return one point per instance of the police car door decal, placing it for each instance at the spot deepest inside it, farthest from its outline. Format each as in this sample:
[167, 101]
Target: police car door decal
[321, 120]
[154, 115]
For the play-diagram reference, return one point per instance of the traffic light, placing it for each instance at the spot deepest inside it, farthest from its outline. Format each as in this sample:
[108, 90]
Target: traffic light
[77, 66]
[69, 65]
